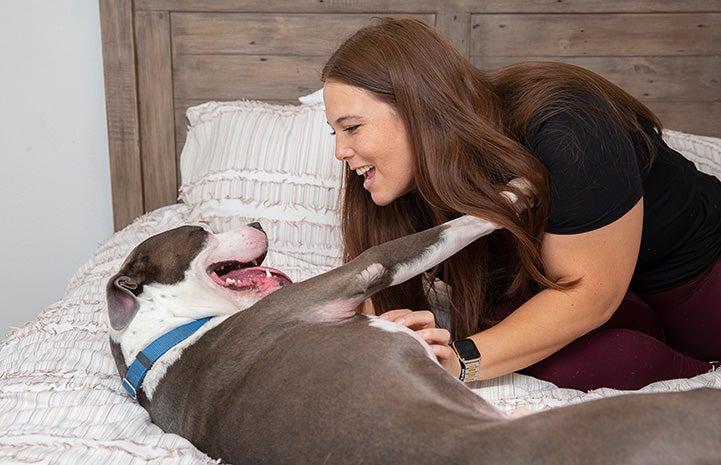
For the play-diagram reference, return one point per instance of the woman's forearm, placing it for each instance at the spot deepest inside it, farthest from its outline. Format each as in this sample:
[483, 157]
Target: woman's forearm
[537, 329]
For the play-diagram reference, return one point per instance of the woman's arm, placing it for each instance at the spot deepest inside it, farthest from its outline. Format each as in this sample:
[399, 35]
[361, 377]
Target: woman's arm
[601, 260]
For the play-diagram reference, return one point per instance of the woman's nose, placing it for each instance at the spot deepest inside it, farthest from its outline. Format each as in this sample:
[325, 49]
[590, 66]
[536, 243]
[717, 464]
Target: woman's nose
[342, 152]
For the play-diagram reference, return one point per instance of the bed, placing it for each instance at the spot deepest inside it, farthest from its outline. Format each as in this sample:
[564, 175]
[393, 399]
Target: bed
[200, 93]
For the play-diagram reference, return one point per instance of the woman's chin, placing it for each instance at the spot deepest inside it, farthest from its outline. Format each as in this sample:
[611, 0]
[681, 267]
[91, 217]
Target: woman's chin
[383, 199]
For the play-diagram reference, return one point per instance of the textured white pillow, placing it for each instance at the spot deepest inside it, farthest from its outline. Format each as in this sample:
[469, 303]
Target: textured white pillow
[704, 151]
[312, 98]
[249, 161]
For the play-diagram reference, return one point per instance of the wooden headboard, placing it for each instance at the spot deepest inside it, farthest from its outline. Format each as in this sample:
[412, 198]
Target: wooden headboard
[161, 56]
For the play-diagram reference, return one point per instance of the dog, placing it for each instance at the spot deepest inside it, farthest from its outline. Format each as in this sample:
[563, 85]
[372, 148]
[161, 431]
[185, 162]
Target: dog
[254, 369]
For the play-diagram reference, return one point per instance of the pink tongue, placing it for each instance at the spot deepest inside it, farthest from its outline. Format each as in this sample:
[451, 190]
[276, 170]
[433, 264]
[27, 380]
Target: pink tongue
[245, 274]
[257, 277]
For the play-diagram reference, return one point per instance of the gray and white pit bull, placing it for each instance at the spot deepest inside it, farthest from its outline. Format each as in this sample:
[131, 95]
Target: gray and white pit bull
[283, 373]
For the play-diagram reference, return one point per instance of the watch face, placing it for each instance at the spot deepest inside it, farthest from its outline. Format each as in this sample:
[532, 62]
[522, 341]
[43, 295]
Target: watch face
[467, 349]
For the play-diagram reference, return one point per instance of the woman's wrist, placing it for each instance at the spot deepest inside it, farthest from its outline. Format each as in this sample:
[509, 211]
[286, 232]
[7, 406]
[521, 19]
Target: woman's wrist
[469, 358]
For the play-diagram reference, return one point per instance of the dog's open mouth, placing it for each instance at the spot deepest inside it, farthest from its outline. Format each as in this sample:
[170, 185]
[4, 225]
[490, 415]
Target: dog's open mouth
[239, 276]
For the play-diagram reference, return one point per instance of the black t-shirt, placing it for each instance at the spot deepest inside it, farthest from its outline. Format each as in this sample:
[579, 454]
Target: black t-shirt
[596, 177]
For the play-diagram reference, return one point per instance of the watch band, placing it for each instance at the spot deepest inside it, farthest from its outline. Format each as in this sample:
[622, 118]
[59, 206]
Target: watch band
[469, 357]
[464, 371]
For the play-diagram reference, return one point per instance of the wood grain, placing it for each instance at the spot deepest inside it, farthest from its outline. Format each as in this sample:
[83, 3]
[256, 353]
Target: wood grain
[122, 111]
[596, 35]
[649, 78]
[414, 6]
[157, 116]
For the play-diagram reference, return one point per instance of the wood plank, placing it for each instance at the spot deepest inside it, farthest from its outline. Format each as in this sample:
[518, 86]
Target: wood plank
[700, 118]
[155, 91]
[414, 6]
[596, 35]
[677, 78]
[456, 27]
[685, 92]
[121, 104]
[594, 6]
[258, 34]
[232, 77]
[304, 6]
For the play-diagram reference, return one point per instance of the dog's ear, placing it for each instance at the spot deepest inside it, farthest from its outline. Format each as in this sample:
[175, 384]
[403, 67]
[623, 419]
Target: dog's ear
[122, 304]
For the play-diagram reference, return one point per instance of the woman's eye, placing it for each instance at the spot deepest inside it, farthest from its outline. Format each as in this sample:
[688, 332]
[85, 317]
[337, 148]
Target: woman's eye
[349, 129]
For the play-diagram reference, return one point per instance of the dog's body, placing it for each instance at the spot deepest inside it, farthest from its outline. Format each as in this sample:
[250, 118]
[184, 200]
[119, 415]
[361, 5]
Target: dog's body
[298, 377]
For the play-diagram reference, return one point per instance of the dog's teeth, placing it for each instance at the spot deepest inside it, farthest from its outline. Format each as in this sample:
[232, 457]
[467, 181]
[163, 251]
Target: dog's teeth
[268, 274]
[255, 263]
[230, 281]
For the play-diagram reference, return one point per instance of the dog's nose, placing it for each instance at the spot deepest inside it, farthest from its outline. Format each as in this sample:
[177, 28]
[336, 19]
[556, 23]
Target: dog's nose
[256, 225]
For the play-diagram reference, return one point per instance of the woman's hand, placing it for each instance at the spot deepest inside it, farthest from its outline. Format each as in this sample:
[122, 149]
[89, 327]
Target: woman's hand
[423, 322]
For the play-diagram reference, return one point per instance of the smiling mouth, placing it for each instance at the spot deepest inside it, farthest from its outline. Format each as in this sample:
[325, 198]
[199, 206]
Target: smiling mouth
[363, 170]
[242, 276]
[368, 172]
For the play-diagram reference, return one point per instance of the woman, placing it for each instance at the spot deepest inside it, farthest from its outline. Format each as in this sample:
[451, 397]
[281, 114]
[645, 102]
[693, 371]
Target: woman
[609, 275]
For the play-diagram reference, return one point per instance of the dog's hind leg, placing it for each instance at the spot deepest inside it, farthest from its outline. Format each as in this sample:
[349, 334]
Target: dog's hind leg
[397, 261]
[339, 292]
[335, 295]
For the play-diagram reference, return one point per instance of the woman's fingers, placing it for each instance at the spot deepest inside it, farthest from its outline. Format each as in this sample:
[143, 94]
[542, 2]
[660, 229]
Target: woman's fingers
[439, 340]
[420, 319]
[423, 322]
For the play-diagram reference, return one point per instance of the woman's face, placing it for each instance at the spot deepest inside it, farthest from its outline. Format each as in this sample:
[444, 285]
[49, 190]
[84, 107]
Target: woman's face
[372, 139]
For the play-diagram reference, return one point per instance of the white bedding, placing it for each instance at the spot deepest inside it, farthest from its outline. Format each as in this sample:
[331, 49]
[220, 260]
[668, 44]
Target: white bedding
[60, 397]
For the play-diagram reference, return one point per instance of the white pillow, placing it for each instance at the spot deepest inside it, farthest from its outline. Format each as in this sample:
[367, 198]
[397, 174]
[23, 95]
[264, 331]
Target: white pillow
[704, 151]
[313, 98]
[250, 161]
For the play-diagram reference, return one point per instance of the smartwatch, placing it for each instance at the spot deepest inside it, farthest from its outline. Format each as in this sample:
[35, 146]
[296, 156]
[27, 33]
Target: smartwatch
[470, 359]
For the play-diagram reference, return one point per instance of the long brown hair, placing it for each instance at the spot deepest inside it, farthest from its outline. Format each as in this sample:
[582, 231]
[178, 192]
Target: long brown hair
[467, 131]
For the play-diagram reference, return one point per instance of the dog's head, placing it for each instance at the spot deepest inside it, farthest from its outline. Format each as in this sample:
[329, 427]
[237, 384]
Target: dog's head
[189, 273]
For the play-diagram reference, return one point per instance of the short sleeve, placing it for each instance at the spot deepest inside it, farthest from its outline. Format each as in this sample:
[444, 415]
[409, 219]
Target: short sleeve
[593, 170]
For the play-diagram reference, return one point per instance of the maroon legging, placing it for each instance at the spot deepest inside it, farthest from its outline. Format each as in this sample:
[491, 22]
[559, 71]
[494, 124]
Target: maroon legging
[672, 334]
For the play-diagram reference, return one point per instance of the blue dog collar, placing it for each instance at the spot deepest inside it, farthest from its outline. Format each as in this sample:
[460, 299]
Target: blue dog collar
[147, 357]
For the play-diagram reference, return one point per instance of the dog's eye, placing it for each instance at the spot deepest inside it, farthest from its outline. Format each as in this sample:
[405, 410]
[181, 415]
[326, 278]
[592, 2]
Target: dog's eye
[199, 232]
[204, 227]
